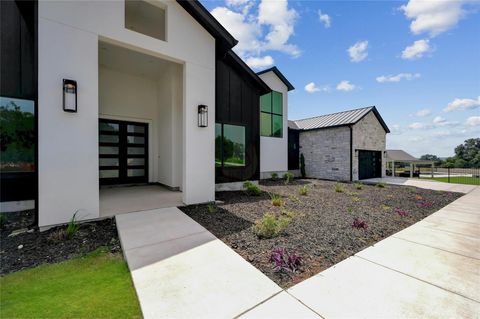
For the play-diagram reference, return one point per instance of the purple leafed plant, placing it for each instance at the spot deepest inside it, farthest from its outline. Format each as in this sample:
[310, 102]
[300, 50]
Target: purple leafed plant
[282, 260]
[401, 212]
[360, 224]
[425, 204]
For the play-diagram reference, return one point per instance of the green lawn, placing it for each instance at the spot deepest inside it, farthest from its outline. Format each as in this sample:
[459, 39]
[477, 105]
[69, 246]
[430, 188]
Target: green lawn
[458, 180]
[95, 286]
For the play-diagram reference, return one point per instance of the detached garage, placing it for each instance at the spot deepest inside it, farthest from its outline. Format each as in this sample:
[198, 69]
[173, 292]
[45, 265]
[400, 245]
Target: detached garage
[344, 146]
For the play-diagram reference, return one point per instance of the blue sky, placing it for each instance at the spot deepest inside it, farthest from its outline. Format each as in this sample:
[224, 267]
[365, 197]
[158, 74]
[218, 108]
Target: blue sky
[417, 61]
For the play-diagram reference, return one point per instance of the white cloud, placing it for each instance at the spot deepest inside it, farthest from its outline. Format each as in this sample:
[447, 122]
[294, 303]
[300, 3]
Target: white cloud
[260, 62]
[345, 86]
[268, 27]
[417, 50]
[433, 17]
[312, 88]
[462, 104]
[423, 112]
[324, 18]
[473, 121]
[358, 51]
[397, 78]
[417, 126]
[439, 120]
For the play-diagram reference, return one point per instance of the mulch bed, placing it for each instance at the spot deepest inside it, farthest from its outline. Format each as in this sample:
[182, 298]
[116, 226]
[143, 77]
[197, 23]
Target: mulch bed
[321, 230]
[32, 248]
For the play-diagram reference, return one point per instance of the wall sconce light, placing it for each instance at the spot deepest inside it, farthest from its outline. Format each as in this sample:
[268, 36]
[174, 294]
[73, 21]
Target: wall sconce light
[202, 116]
[69, 96]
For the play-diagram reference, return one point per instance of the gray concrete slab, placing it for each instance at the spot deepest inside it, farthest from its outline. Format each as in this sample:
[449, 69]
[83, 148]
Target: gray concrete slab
[357, 288]
[461, 228]
[422, 183]
[180, 270]
[437, 267]
[281, 306]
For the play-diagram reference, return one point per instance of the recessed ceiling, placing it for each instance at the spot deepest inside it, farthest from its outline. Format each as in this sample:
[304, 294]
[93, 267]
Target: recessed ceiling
[132, 62]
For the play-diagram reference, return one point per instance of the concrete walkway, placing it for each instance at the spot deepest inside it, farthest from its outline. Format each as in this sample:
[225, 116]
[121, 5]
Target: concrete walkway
[429, 270]
[423, 183]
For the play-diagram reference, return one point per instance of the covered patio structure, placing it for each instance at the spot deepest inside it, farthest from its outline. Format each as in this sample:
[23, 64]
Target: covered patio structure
[400, 156]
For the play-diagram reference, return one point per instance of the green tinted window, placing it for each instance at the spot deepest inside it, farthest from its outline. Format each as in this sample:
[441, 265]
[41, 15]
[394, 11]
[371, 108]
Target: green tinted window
[229, 145]
[277, 102]
[218, 144]
[266, 103]
[277, 125]
[265, 124]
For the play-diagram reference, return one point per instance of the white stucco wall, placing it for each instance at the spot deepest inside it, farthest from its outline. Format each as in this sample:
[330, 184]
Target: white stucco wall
[274, 150]
[68, 34]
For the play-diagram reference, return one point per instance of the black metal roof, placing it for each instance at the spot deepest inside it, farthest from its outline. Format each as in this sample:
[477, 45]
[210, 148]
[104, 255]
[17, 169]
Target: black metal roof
[344, 118]
[275, 70]
[206, 20]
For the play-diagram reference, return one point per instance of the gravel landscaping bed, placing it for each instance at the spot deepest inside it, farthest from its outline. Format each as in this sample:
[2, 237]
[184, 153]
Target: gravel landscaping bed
[321, 228]
[23, 248]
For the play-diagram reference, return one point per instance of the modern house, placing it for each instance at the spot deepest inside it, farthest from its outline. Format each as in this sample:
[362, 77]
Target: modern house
[139, 92]
[346, 146]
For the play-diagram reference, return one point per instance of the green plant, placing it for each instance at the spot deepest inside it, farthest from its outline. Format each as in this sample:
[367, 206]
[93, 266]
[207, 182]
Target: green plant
[338, 188]
[380, 185]
[274, 175]
[212, 208]
[351, 193]
[276, 200]
[72, 227]
[350, 210]
[293, 198]
[288, 177]
[356, 199]
[252, 189]
[288, 213]
[359, 185]
[3, 220]
[270, 226]
[303, 190]
[302, 166]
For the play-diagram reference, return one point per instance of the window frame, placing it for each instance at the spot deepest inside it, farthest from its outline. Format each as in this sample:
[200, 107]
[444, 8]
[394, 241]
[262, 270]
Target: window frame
[222, 154]
[272, 115]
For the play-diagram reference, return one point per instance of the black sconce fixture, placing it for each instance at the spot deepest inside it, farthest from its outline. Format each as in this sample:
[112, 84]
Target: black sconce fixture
[202, 116]
[69, 96]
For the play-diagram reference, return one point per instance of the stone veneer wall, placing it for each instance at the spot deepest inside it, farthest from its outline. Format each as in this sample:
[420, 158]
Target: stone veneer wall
[368, 134]
[326, 153]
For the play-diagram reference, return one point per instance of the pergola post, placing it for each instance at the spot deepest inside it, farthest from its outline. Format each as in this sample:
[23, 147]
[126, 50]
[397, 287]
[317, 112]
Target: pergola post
[411, 170]
[393, 168]
[433, 167]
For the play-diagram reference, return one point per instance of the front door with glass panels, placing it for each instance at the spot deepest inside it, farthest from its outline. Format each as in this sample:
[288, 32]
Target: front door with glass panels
[123, 151]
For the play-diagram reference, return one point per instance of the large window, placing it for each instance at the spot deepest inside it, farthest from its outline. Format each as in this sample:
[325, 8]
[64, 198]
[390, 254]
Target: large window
[229, 145]
[146, 18]
[271, 114]
[17, 135]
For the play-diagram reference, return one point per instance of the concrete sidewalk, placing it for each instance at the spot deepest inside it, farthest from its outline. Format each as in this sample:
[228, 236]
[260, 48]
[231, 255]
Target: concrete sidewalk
[428, 270]
[423, 183]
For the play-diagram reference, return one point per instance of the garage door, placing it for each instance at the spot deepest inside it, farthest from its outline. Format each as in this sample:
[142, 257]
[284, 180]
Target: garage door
[369, 164]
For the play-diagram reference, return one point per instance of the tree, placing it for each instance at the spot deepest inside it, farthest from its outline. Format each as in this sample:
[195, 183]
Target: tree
[468, 153]
[430, 157]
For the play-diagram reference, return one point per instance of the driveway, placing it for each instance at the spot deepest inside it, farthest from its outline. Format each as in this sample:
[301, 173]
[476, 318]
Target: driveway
[422, 183]
[431, 269]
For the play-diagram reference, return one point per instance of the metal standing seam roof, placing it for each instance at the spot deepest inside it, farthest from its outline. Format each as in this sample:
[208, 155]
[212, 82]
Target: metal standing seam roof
[335, 119]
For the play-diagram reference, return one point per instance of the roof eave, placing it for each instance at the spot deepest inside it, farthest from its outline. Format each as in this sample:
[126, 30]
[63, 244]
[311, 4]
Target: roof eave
[279, 74]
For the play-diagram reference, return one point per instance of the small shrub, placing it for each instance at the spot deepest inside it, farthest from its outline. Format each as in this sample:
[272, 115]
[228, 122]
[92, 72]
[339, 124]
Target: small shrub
[352, 193]
[288, 213]
[401, 212]
[57, 236]
[302, 166]
[288, 177]
[252, 189]
[270, 226]
[212, 208]
[274, 176]
[356, 199]
[350, 210]
[276, 200]
[338, 188]
[282, 260]
[304, 190]
[293, 198]
[380, 185]
[386, 207]
[3, 220]
[359, 185]
[418, 197]
[426, 204]
[359, 224]
[72, 227]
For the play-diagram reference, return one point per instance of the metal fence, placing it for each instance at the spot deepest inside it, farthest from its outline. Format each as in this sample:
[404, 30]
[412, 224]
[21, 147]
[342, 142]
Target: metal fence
[451, 175]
